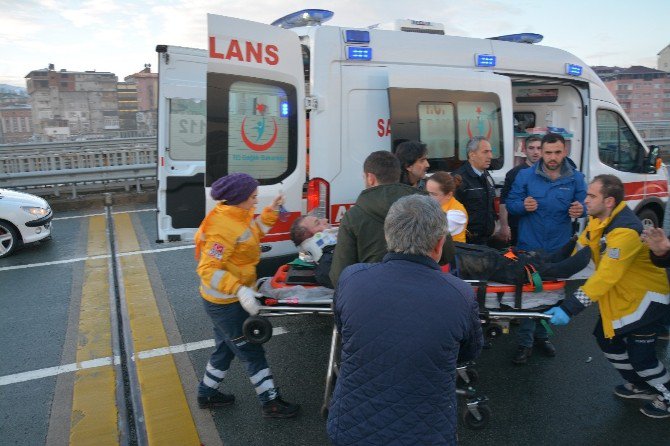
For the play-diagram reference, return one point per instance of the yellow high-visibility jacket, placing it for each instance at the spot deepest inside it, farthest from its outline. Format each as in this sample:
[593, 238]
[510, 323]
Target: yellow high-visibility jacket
[630, 291]
[457, 219]
[227, 247]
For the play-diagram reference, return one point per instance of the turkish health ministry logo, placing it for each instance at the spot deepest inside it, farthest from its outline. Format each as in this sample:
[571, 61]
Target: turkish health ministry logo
[255, 141]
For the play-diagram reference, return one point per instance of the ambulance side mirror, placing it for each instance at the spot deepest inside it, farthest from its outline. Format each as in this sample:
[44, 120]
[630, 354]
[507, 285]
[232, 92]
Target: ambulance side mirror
[653, 162]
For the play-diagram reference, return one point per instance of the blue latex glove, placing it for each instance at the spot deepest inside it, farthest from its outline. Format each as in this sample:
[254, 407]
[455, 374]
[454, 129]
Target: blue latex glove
[559, 316]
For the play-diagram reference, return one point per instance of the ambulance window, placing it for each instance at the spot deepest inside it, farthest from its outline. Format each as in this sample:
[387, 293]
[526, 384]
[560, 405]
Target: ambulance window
[251, 128]
[617, 145]
[480, 118]
[437, 127]
[187, 129]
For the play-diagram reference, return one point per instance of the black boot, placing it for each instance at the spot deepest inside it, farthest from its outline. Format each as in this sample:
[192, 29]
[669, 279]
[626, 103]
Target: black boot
[217, 399]
[522, 354]
[278, 408]
[546, 347]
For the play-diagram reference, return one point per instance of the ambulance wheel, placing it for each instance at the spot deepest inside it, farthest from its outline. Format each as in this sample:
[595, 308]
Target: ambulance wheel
[473, 423]
[257, 330]
[473, 378]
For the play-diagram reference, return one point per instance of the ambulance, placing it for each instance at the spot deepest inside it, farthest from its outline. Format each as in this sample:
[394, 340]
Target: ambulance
[299, 105]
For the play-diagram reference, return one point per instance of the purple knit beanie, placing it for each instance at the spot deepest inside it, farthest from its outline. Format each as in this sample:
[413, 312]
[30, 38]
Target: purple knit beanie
[234, 188]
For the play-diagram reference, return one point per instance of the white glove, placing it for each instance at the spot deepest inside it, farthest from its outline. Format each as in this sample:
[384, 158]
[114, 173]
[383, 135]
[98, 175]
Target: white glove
[248, 300]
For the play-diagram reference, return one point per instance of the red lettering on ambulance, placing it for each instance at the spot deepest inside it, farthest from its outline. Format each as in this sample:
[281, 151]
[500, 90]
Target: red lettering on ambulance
[255, 51]
[212, 49]
[272, 56]
[383, 127]
[235, 51]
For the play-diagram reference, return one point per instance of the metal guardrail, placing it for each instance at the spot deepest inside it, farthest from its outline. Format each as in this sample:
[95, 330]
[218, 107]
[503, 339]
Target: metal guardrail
[91, 165]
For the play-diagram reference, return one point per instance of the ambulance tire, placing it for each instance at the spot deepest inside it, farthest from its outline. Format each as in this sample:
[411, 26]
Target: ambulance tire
[648, 216]
[257, 329]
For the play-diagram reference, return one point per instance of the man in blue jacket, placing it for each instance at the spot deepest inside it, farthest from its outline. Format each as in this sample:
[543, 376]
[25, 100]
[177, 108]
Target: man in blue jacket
[404, 325]
[546, 197]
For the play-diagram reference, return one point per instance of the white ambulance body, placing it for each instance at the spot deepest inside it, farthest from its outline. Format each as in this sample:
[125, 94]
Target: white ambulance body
[300, 109]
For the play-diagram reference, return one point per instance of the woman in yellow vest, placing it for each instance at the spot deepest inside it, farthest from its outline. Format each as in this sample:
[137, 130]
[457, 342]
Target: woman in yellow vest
[441, 187]
[227, 247]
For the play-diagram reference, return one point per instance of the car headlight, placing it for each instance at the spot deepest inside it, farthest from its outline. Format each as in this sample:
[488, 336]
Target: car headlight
[36, 211]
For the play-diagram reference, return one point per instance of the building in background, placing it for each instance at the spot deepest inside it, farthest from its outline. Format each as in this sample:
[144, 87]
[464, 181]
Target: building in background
[127, 96]
[15, 124]
[71, 104]
[147, 99]
[664, 59]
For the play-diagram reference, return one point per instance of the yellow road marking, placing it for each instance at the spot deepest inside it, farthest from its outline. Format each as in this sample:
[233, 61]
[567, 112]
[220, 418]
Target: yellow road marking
[167, 415]
[94, 415]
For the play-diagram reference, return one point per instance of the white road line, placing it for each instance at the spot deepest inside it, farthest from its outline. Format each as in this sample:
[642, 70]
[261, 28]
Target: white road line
[97, 215]
[103, 256]
[100, 362]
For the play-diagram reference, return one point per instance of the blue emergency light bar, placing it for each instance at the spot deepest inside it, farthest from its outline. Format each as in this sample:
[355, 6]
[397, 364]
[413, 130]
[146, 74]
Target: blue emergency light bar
[573, 70]
[283, 109]
[359, 53]
[356, 36]
[520, 38]
[485, 60]
[305, 17]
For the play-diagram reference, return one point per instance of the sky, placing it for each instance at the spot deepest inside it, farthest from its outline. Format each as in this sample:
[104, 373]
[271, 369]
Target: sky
[120, 36]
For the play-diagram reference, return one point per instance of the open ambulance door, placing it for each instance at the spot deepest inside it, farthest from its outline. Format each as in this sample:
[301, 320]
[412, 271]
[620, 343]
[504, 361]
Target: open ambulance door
[445, 107]
[181, 141]
[256, 115]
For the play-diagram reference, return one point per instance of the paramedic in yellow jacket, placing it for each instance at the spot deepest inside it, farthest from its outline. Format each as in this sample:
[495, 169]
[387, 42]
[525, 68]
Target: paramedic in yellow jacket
[441, 186]
[228, 250]
[632, 295]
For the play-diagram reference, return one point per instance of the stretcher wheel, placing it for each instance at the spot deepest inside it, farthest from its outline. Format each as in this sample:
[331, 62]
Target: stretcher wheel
[493, 332]
[473, 378]
[257, 330]
[471, 422]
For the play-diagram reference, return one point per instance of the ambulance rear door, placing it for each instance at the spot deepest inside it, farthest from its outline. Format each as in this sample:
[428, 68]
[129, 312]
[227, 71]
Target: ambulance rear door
[256, 115]
[445, 107]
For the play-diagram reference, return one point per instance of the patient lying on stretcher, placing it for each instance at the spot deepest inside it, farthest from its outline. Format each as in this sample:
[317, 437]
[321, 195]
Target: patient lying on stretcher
[315, 237]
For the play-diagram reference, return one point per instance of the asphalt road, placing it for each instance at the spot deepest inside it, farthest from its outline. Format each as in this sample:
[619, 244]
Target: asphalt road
[566, 400]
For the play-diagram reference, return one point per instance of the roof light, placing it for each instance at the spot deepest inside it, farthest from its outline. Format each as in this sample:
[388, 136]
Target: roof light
[356, 36]
[305, 17]
[485, 60]
[520, 38]
[359, 53]
[573, 70]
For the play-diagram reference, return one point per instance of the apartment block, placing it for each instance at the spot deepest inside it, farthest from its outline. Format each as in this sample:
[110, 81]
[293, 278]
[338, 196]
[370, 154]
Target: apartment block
[15, 124]
[147, 98]
[664, 59]
[644, 93]
[66, 104]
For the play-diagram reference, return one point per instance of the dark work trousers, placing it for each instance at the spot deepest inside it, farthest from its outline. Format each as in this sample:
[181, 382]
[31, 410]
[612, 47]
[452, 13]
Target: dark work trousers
[230, 342]
[634, 357]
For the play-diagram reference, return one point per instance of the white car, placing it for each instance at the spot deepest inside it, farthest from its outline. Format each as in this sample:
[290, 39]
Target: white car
[24, 218]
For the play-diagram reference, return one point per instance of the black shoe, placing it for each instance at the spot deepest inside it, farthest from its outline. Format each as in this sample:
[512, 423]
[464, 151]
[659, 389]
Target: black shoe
[278, 408]
[522, 354]
[546, 347]
[216, 400]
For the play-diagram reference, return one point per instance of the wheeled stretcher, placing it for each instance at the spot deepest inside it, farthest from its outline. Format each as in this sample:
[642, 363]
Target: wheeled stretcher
[498, 304]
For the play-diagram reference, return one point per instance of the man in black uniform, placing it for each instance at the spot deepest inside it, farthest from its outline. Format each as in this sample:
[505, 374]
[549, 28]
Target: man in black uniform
[477, 191]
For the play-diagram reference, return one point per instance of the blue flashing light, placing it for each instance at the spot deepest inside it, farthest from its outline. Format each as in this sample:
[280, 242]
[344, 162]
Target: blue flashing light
[356, 36]
[359, 53]
[485, 60]
[305, 17]
[573, 70]
[520, 38]
[283, 109]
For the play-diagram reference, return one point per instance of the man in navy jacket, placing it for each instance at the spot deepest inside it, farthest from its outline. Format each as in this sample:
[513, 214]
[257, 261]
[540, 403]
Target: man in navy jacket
[404, 325]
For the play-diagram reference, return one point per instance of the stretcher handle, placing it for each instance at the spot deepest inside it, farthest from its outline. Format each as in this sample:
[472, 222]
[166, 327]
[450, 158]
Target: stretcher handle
[297, 308]
[516, 314]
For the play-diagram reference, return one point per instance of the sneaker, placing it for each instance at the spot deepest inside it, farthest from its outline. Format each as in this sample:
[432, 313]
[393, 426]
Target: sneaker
[546, 347]
[278, 408]
[217, 399]
[658, 408]
[631, 391]
[522, 354]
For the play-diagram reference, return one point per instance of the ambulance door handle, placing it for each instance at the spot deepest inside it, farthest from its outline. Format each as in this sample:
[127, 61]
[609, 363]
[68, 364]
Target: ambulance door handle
[265, 248]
